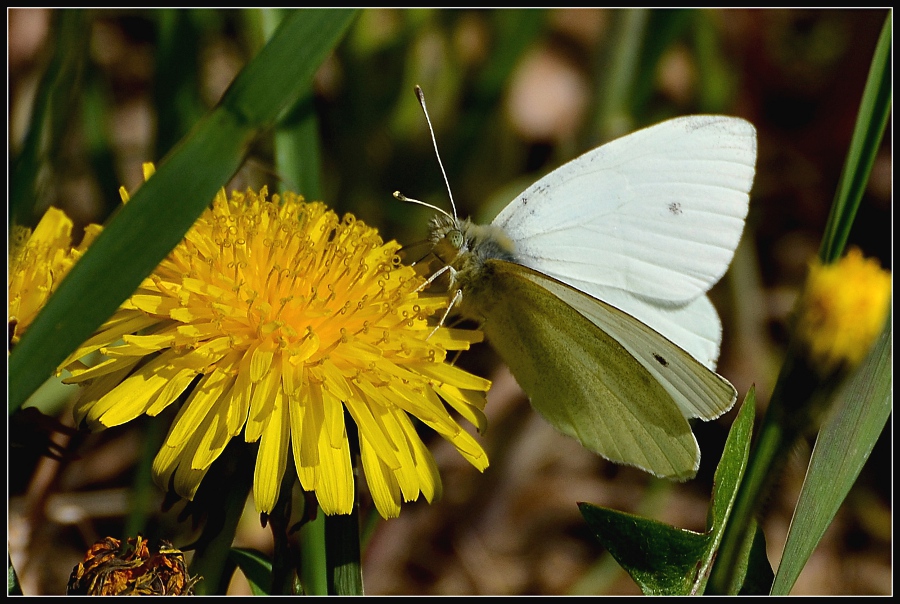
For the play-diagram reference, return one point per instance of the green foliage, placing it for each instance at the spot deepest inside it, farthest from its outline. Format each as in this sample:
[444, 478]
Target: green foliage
[874, 111]
[661, 559]
[665, 560]
[798, 390]
[257, 568]
[169, 203]
[843, 445]
[364, 137]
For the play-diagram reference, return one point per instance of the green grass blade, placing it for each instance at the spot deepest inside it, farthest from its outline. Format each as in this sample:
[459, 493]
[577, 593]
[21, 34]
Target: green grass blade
[282, 71]
[874, 111]
[841, 449]
[95, 119]
[143, 231]
[133, 243]
[297, 153]
[176, 91]
[728, 477]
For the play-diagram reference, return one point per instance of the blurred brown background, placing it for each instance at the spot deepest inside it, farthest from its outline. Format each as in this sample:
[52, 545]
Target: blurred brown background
[796, 74]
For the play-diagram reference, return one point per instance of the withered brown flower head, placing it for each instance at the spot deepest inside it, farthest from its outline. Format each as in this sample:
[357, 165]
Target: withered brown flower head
[111, 568]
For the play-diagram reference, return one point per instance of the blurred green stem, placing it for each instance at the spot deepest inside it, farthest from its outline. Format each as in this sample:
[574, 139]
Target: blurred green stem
[312, 552]
[791, 400]
[55, 100]
[613, 117]
[342, 537]
[211, 556]
[343, 555]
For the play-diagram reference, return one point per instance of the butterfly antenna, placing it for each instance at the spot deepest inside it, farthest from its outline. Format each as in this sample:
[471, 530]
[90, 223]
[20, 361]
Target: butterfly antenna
[421, 96]
[402, 197]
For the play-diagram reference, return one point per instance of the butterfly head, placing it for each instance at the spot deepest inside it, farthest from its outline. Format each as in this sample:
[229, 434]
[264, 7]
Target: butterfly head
[448, 236]
[455, 239]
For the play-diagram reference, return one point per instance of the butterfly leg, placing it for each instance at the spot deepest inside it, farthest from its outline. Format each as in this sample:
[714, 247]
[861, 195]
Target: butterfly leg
[437, 274]
[456, 298]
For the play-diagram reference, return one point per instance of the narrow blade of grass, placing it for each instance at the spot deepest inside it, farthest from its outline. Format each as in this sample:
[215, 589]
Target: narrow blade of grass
[874, 111]
[841, 449]
[142, 232]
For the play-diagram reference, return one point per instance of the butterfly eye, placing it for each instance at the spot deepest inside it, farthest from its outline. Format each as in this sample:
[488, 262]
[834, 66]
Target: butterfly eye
[456, 239]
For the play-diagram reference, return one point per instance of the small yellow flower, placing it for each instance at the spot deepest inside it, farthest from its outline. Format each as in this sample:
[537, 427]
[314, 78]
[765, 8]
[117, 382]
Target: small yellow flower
[283, 317]
[38, 261]
[843, 309]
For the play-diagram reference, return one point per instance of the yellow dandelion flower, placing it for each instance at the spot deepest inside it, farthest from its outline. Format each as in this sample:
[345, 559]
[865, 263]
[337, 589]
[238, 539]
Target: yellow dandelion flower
[38, 261]
[283, 317]
[843, 309]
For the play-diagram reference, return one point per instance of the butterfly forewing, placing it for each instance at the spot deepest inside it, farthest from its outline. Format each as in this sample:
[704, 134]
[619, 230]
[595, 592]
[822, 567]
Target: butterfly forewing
[657, 213]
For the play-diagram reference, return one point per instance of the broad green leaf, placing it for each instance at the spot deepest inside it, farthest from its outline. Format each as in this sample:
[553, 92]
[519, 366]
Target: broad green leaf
[663, 559]
[257, 568]
[143, 231]
[841, 450]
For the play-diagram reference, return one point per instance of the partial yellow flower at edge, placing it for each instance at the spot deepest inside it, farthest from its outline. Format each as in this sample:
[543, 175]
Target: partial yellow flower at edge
[38, 261]
[285, 317]
[842, 310]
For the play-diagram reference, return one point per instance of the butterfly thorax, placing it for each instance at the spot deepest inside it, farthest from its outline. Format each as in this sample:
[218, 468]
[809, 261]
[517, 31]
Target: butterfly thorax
[466, 247]
[457, 242]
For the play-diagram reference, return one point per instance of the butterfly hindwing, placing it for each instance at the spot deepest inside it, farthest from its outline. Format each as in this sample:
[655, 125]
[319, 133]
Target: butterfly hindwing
[583, 381]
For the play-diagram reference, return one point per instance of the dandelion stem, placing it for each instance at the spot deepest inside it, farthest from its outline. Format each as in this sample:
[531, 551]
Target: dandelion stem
[214, 544]
[799, 399]
[343, 554]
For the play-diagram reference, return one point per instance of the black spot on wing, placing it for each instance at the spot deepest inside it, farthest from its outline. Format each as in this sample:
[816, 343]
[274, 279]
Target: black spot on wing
[661, 360]
[675, 208]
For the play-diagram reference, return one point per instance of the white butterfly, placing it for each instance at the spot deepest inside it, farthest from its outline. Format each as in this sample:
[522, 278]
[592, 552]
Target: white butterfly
[591, 285]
